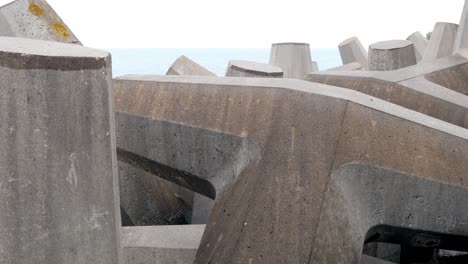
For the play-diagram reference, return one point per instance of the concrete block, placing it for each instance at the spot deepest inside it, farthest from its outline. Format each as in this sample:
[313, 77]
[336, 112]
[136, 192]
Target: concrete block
[420, 44]
[391, 55]
[186, 66]
[442, 41]
[317, 145]
[371, 260]
[58, 178]
[242, 68]
[293, 58]
[34, 19]
[461, 41]
[161, 244]
[315, 66]
[354, 66]
[351, 50]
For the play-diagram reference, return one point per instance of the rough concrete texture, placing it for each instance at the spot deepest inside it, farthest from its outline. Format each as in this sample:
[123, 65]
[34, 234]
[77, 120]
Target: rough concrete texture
[186, 66]
[391, 55]
[242, 68]
[442, 41]
[305, 134]
[58, 178]
[34, 19]
[293, 58]
[461, 41]
[161, 244]
[420, 44]
[371, 260]
[434, 89]
[351, 51]
[354, 66]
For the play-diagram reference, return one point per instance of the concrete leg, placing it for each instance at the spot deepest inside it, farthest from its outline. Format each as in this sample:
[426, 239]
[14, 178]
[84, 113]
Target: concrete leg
[442, 41]
[391, 55]
[461, 41]
[420, 44]
[242, 68]
[58, 178]
[186, 66]
[351, 50]
[293, 58]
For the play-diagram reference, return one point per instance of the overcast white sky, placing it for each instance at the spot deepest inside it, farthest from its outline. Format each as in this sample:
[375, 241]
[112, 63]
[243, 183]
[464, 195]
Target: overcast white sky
[248, 23]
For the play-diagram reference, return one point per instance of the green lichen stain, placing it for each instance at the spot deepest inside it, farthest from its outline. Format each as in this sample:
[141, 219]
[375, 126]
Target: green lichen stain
[61, 29]
[36, 10]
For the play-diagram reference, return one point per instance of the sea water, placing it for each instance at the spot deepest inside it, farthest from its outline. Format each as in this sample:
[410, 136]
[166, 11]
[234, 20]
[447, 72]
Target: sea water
[158, 61]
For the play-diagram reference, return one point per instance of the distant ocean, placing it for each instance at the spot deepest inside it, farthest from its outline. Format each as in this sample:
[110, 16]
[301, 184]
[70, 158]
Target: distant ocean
[157, 61]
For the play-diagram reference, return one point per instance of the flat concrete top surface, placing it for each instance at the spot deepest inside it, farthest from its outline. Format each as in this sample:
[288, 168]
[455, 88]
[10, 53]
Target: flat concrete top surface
[47, 48]
[391, 44]
[170, 236]
[255, 66]
[313, 88]
[291, 43]
[347, 41]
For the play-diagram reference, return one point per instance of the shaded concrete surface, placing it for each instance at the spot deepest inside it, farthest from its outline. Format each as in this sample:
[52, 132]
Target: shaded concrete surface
[352, 51]
[315, 66]
[34, 19]
[391, 55]
[186, 66]
[293, 58]
[58, 177]
[371, 260]
[442, 41]
[304, 132]
[461, 41]
[420, 44]
[161, 244]
[242, 68]
[428, 35]
[435, 89]
[354, 66]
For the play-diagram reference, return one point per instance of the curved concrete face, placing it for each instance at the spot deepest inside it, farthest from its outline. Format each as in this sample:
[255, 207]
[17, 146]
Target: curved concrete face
[34, 19]
[161, 244]
[203, 161]
[442, 41]
[420, 44]
[435, 89]
[58, 173]
[186, 66]
[374, 204]
[391, 55]
[293, 58]
[352, 51]
[461, 41]
[303, 132]
[242, 68]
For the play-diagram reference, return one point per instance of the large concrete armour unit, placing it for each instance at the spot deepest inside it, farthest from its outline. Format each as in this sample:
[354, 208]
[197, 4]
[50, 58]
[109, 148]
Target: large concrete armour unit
[308, 145]
[420, 44]
[34, 19]
[58, 178]
[186, 66]
[442, 41]
[293, 58]
[352, 51]
[242, 68]
[391, 55]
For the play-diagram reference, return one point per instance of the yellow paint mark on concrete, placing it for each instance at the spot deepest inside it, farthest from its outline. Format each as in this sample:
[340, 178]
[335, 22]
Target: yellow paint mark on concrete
[36, 10]
[61, 29]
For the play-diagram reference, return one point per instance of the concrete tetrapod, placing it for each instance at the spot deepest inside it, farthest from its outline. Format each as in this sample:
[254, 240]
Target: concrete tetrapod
[442, 41]
[34, 19]
[293, 58]
[420, 44]
[391, 55]
[351, 51]
[58, 178]
[242, 68]
[186, 66]
[161, 244]
[304, 134]
[435, 88]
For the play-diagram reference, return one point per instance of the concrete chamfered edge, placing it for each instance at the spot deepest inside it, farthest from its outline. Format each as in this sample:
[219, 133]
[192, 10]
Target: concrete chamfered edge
[391, 44]
[308, 87]
[347, 41]
[255, 67]
[291, 43]
[24, 53]
[171, 236]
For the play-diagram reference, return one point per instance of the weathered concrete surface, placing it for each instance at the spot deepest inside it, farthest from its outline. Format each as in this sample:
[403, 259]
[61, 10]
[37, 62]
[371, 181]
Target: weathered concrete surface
[354, 66]
[161, 244]
[391, 55]
[58, 178]
[370, 260]
[34, 19]
[461, 41]
[442, 41]
[293, 58]
[434, 89]
[186, 66]
[351, 51]
[304, 134]
[420, 44]
[242, 68]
